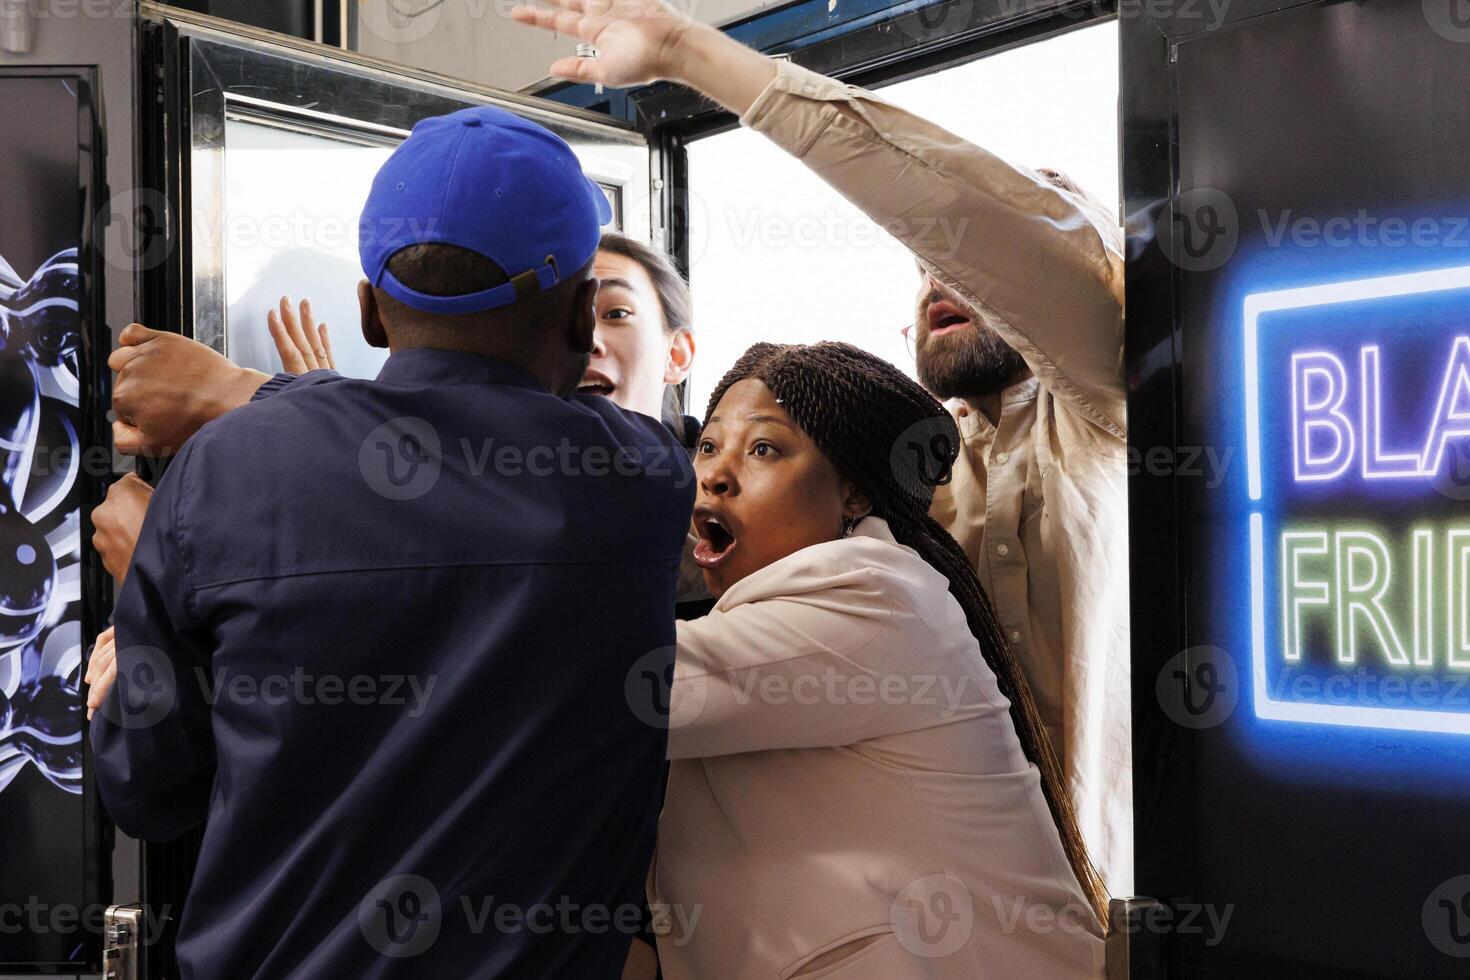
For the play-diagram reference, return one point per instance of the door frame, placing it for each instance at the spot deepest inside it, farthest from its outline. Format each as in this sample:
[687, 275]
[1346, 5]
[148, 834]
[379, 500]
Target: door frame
[192, 73]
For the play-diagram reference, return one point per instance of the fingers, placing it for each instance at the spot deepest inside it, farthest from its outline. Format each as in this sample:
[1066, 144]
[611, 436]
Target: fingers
[293, 331]
[99, 687]
[291, 360]
[575, 6]
[119, 358]
[135, 333]
[297, 341]
[101, 671]
[127, 438]
[118, 521]
[93, 662]
[566, 18]
[313, 336]
[297, 334]
[576, 69]
[131, 343]
[330, 361]
[101, 652]
[533, 16]
[131, 482]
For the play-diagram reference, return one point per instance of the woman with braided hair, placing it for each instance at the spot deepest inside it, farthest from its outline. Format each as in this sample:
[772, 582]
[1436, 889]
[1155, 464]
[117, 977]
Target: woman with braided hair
[860, 784]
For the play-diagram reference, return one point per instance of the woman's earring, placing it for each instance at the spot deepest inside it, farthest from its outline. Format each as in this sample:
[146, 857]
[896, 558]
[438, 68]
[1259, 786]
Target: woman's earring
[847, 526]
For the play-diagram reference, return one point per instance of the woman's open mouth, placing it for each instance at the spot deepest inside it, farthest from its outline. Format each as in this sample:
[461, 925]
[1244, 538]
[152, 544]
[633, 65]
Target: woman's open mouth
[717, 538]
[944, 316]
[595, 383]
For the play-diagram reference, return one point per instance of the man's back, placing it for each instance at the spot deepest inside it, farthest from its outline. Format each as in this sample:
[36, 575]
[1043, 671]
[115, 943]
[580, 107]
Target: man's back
[416, 604]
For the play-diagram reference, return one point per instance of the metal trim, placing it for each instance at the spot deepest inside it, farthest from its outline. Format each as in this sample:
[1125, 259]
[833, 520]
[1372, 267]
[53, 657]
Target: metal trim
[203, 27]
[873, 50]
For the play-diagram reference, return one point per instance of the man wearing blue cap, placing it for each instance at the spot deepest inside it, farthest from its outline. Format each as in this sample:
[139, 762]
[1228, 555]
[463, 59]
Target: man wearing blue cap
[387, 638]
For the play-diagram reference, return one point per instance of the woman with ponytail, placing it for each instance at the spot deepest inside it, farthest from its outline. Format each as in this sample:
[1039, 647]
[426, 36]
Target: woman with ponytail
[860, 788]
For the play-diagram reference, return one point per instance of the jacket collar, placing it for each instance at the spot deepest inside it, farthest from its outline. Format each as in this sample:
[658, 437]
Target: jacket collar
[427, 366]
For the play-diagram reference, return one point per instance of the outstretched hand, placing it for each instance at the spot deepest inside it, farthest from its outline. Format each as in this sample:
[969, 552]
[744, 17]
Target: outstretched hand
[641, 41]
[101, 671]
[303, 344]
[637, 40]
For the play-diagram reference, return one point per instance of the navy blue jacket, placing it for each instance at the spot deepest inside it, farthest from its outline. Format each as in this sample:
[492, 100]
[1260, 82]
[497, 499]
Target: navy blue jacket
[398, 642]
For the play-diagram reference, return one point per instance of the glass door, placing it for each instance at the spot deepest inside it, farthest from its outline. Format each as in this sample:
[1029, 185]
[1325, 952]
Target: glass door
[283, 139]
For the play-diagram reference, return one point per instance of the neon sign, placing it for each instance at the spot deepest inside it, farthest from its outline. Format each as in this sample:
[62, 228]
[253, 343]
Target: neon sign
[1357, 397]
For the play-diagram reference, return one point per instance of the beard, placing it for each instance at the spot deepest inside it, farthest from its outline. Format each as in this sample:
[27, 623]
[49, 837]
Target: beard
[969, 363]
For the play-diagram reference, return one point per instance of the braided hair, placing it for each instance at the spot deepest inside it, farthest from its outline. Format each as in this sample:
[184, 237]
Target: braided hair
[892, 439]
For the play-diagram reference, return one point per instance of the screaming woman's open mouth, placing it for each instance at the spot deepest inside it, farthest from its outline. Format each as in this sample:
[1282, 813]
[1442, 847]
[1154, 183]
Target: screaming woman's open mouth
[595, 383]
[718, 536]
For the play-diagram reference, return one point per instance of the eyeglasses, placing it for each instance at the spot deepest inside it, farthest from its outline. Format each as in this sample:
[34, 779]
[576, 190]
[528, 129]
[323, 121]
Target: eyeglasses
[908, 337]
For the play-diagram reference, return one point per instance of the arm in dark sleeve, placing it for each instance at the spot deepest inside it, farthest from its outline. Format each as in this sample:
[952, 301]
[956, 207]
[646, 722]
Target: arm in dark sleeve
[272, 385]
[278, 383]
[152, 739]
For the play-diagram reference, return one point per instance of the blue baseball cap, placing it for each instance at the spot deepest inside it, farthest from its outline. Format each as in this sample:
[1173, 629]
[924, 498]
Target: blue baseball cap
[489, 181]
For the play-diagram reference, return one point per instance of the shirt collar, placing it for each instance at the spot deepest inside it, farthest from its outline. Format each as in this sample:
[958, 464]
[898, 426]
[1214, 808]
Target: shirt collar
[427, 366]
[1020, 392]
[971, 421]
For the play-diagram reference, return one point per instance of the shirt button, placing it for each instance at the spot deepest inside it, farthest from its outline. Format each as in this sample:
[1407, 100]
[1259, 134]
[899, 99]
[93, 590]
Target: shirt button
[809, 89]
[1002, 458]
[1015, 636]
[1002, 550]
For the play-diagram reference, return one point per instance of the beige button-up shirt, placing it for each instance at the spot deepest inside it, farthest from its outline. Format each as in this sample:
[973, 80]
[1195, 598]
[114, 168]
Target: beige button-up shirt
[1038, 501]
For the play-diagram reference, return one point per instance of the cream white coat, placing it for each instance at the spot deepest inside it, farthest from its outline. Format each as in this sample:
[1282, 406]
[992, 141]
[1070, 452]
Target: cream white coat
[847, 797]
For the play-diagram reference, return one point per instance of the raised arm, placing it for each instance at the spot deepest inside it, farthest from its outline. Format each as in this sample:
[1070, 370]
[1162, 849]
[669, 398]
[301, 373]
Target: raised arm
[1046, 263]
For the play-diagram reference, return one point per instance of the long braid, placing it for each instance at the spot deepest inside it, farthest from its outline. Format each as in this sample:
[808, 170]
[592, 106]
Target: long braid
[941, 550]
[889, 436]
